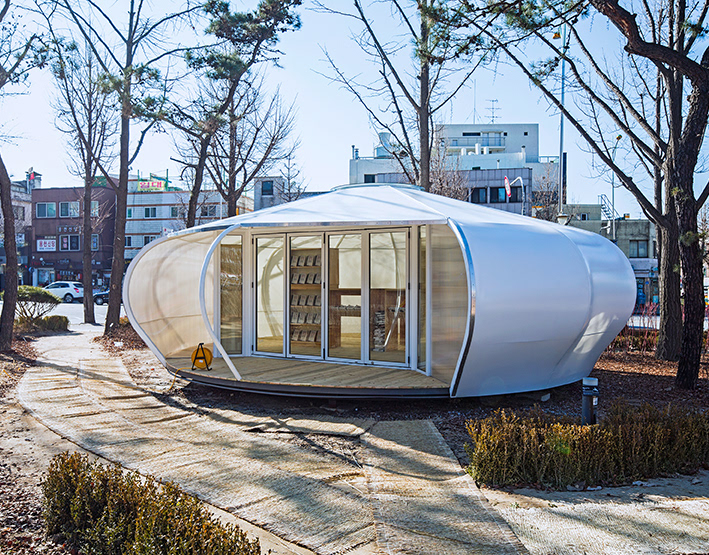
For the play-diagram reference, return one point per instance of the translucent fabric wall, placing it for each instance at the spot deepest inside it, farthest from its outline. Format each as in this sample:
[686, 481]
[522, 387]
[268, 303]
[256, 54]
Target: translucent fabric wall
[449, 302]
[161, 292]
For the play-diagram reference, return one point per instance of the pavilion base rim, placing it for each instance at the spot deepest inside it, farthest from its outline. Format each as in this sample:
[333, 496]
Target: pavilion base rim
[300, 390]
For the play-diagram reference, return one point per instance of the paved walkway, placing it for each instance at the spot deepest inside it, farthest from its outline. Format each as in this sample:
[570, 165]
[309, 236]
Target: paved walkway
[410, 496]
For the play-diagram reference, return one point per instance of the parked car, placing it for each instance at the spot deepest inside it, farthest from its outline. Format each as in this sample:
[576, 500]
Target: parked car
[101, 297]
[67, 290]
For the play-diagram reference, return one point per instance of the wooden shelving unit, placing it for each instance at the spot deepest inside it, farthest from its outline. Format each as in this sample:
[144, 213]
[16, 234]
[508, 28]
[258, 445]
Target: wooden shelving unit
[305, 301]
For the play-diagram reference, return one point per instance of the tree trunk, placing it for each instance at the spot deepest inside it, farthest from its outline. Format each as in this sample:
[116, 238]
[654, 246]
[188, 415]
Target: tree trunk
[7, 319]
[693, 283]
[198, 178]
[424, 107]
[89, 316]
[682, 186]
[670, 331]
[231, 204]
[118, 263]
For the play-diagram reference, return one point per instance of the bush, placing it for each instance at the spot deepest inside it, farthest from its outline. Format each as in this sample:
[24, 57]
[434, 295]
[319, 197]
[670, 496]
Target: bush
[628, 444]
[54, 323]
[102, 510]
[33, 303]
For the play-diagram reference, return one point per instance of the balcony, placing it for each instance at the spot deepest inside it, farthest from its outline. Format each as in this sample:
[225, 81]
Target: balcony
[483, 140]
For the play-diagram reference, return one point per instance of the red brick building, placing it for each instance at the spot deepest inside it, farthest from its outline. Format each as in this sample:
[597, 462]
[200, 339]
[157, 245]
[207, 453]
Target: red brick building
[58, 234]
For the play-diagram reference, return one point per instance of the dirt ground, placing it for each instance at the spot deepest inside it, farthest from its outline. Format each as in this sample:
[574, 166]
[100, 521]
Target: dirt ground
[26, 446]
[25, 450]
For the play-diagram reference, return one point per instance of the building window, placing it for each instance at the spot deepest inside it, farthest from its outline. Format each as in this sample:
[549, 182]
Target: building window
[94, 209]
[151, 212]
[46, 209]
[498, 195]
[479, 195]
[69, 209]
[516, 194]
[19, 213]
[129, 212]
[94, 241]
[68, 242]
[267, 188]
[526, 133]
[638, 249]
[128, 241]
[177, 212]
[473, 134]
[148, 238]
[583, 216]
[370, 178]
[209, 211]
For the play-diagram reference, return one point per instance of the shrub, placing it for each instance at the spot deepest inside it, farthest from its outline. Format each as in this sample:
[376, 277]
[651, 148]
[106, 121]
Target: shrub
[102, 510]
[643, 340]
[33, 303]
[54, 323]
[628, 444]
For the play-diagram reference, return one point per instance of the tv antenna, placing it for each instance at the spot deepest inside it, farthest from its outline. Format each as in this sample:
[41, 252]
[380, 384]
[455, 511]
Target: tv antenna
[492, 109]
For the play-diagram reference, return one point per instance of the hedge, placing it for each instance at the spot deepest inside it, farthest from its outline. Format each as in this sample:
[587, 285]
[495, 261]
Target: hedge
[101, 510]
[630, 443]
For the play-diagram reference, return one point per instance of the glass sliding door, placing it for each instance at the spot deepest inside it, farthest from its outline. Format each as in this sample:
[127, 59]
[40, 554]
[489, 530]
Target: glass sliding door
[269, 294]
[305, 296]
[231, 293]
[387, 296]
[345, 296]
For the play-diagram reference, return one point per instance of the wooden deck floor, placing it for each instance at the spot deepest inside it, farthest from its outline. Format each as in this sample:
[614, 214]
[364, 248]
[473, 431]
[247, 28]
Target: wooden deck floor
[300, 377]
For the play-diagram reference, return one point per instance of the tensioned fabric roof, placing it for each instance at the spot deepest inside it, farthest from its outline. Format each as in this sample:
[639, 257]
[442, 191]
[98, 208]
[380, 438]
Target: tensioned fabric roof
[353, 206]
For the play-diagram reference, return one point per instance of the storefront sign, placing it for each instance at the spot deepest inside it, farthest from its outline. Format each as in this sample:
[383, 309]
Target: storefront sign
[150, 186]
[48, 244]
[69, 229]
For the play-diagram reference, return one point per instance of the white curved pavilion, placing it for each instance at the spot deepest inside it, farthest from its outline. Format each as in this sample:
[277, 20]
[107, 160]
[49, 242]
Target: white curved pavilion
[381, 291]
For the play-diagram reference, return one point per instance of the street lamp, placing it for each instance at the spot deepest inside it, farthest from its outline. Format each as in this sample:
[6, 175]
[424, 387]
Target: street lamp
[615, 146]
[561, 217]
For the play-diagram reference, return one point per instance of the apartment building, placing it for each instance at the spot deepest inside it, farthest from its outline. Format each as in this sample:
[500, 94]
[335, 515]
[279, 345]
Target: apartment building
[58, 234]
[479, 157]
[21, 195]
[156, 209]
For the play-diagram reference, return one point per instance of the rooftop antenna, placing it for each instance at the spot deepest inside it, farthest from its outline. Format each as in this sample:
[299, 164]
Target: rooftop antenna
[475, 101]
[493, 108]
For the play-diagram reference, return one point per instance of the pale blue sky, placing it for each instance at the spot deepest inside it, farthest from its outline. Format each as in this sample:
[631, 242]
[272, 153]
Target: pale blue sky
[329, 120]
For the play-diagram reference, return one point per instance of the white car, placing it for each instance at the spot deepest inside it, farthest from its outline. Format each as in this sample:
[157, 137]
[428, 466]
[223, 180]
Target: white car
[67, 290]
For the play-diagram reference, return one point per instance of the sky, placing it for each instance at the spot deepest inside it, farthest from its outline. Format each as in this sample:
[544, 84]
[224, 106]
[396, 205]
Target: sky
[329, 120]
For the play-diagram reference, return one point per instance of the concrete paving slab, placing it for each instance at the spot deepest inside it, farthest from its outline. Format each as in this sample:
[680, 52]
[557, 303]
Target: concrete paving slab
[422, 501]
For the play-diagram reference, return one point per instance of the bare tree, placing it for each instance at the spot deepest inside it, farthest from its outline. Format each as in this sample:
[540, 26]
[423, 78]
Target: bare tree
[129, 53]
[16, 59]
[253, 140]
[446, 177]
[85, 104]
[545, 196]
[404, 98]
[245, 40]
[291, 186]
[609, 100]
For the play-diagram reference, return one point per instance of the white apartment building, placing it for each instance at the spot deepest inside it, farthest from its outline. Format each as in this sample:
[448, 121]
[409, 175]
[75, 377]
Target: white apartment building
[483, 154]
[155, 210]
